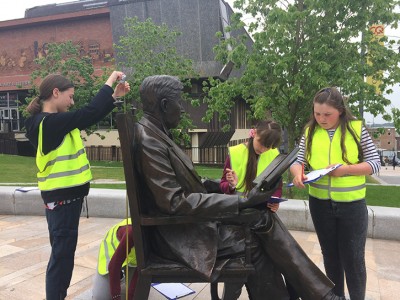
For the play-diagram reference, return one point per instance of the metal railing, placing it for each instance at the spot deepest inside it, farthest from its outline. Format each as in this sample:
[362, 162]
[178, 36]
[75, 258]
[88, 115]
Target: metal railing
[212, 155]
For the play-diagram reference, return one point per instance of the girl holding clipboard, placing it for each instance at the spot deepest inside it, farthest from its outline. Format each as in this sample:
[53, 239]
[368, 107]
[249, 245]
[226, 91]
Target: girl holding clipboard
[337, 200]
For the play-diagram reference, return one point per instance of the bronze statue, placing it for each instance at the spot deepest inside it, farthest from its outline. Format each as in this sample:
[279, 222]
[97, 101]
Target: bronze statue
[171, 186]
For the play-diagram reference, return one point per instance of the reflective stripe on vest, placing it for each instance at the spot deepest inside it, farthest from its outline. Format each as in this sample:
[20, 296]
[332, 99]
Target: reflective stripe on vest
[65, 166]
[239, 156]
[324, 152]
[108, 247]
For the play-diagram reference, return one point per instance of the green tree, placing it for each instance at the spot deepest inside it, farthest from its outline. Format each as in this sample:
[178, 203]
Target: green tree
[64, 58]
[301, 46]
[148, 49]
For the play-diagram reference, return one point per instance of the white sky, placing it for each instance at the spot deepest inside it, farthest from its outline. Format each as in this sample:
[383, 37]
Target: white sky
[15, 10]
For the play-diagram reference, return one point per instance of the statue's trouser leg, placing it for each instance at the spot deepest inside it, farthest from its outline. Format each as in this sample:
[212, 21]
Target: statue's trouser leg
[267, 282]
[231, 291]
[307, 279]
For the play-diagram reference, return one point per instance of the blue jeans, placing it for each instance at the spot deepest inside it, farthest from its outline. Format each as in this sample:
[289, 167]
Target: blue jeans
[341, 228]
[63, 222]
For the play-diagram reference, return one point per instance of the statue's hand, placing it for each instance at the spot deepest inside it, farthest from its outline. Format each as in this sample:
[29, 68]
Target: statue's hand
[256, 196]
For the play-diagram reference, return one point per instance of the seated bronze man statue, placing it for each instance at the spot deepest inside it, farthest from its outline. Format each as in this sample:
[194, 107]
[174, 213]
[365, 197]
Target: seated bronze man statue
[170, 185]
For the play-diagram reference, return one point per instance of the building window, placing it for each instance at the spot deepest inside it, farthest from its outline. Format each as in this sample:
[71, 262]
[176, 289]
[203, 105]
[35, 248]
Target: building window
[195, 89]
[94, 50]
[225, 21]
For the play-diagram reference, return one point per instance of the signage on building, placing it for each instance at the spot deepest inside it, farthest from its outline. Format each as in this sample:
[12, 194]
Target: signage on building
[16, 84]
[378, 32]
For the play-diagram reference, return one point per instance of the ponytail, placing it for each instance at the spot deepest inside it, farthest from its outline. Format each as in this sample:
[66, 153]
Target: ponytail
[35, 106]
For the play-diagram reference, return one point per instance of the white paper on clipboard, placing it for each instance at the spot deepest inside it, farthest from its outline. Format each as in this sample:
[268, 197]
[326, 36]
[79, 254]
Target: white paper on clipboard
[173, 290]
[317, 174]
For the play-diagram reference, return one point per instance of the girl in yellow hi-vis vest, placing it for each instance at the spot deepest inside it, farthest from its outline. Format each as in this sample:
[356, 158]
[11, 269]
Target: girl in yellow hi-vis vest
[337, 201]
[246, 161]
[63, 168]
[109, 282]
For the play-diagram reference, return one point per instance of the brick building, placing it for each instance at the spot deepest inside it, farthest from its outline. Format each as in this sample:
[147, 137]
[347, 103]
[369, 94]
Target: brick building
[95, 25]
[386, 140]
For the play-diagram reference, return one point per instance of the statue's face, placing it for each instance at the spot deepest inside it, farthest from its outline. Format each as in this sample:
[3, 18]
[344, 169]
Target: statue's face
[173, 111]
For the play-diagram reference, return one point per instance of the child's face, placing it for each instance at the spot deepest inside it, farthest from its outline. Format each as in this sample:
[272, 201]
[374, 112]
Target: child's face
[258, 146]
[326, 116]
[65, 100]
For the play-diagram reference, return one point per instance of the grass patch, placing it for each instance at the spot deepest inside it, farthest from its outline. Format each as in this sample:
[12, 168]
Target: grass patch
[387, 195]
[113, 186]
[107, 164]
[15, 169]
[212, 172]
[377, 195]
[21, 169]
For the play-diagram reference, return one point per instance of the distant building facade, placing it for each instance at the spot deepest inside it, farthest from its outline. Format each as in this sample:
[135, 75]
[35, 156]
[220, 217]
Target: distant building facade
[95, 25]
[386, 140]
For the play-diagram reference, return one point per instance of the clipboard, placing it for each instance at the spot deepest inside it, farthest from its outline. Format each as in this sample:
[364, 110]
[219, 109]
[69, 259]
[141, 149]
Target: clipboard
[27, 189]
[276, 200]
[317, 174]
[275, 170]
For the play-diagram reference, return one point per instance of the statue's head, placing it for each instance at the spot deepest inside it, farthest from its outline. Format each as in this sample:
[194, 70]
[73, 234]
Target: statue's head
[161, 96]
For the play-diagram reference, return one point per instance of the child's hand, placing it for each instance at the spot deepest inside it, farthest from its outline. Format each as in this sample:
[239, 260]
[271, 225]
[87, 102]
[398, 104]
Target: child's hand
[122, 89]
[231, 177]
[273, 206]
[298, 180]
[298, 175]
[339, 172]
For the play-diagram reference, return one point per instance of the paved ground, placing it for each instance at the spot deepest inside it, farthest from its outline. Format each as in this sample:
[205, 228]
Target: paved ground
[24, 251]
[389, 176]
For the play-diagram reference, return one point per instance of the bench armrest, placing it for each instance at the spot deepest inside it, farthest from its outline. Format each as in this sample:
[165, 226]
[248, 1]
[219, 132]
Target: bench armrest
[246, 216]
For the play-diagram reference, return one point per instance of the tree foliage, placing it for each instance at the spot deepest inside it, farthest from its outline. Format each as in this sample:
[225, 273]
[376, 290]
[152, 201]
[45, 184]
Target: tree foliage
[302, 46]
[148, 49]
[145, 49]
[65, 59]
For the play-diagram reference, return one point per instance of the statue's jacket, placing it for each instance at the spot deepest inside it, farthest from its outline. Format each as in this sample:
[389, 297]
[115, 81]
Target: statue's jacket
[169, 185]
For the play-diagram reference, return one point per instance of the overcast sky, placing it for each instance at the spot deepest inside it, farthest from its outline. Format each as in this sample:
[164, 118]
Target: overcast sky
[15, 10]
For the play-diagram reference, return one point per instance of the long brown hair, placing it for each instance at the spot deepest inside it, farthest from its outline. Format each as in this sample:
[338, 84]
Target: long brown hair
[332, 97]
[270, 134]
[49, 83]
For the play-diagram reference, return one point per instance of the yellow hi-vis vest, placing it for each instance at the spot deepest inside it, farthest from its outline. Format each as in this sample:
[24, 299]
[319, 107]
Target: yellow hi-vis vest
[325, 152]
[108, 247]
[66, 166]
[239, 156]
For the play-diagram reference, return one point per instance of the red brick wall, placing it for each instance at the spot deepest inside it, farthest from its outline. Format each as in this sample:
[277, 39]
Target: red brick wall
[387, 140]
[25, 39]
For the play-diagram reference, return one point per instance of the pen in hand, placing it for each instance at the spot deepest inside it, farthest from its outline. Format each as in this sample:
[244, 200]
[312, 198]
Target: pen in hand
[303, 175]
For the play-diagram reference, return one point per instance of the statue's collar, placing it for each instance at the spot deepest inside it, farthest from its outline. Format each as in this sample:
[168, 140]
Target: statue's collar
[158, 123]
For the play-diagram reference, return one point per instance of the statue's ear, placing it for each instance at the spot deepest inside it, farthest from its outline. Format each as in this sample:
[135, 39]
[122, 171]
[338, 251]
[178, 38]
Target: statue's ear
[163, 104]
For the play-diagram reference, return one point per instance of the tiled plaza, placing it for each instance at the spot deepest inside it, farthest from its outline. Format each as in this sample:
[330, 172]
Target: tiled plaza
[24, 251]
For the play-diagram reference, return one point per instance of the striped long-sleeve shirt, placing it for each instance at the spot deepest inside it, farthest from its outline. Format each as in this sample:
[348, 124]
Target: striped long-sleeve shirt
[370, 154]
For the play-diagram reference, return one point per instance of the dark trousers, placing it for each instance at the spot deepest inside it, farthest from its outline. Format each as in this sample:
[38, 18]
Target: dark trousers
[62, 223]
[341, 228]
